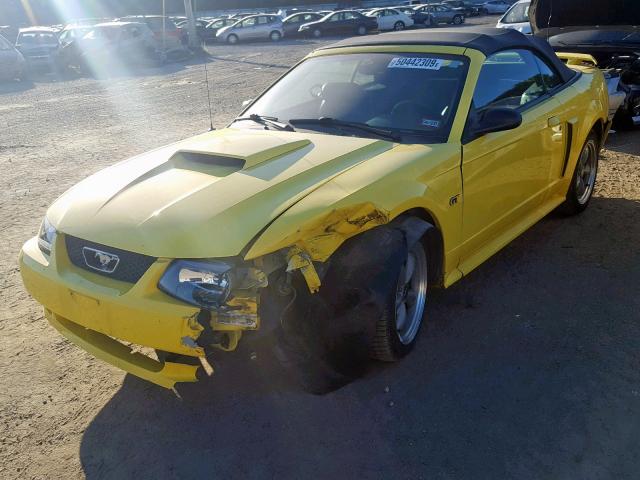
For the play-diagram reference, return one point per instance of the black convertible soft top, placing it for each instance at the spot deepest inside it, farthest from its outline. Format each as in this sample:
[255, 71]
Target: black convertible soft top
[485, 40]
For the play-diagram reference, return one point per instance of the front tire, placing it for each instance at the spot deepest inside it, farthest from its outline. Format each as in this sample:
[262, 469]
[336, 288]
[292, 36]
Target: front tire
[584, 178]
[397, 329]
[457, 20]
[398, 26]
[361, 30]
[232, 39]
[275, 36]
[317, 33]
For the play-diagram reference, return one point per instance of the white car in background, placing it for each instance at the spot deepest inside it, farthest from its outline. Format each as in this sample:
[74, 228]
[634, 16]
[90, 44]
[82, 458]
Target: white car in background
[12, 64]
[494, 7]
[517, 17]
[391, 19]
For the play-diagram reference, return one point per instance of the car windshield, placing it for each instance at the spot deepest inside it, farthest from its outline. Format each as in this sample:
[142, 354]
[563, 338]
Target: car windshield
[519, 13]
[409, 94]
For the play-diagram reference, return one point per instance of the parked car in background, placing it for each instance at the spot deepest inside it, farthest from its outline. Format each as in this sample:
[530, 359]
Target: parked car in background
[170, 39]
[114, 44]
[496, 7]
[13, 66]
[391, 19]
[517, 17]
[201, 29]
[39, 46]
[214, 26]
[256, 27]
[240, 16]
[9, 32]
[442, 14]
[605, 35]
[468, 8]
[291, 24]
[340, 23]
[72, 33]
[418, 17]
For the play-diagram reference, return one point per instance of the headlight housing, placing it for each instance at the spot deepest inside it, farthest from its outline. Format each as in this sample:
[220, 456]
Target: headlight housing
[200, 283]
[46, 236]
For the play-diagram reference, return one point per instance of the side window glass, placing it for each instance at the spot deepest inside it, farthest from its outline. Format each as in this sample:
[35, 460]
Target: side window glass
[508, 79]
[550, 77]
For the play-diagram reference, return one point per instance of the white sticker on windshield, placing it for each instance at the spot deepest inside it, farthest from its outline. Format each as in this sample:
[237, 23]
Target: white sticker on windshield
[416, 62]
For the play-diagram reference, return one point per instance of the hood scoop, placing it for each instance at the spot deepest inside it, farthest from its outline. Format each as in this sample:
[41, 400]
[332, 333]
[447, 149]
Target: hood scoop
[238, 154]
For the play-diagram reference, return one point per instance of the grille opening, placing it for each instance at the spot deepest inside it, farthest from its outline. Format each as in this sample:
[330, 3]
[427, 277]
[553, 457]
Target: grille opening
[130, 266]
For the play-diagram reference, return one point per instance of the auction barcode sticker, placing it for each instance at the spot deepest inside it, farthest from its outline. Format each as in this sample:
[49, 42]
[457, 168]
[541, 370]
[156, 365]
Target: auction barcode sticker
[416, 62]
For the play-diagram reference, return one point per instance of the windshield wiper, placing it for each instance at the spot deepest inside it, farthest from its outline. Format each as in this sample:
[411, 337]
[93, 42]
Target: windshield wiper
[332, 122]
[266, 121]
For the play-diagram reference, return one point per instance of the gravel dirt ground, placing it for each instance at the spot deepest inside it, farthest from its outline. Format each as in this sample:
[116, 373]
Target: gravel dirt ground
[527, 369]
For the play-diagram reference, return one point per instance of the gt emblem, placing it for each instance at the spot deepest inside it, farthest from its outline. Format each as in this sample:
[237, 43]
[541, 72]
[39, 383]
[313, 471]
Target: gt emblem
[99, 260]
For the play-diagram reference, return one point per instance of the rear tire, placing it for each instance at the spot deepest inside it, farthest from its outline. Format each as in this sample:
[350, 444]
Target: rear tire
[398, 26]
[457, 20]
[275, 36]
[584, 178]
[317, 33]
[232, 39]
[361, 30]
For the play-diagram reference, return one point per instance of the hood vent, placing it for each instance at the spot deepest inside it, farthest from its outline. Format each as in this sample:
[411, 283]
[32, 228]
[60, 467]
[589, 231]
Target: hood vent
[207, 159]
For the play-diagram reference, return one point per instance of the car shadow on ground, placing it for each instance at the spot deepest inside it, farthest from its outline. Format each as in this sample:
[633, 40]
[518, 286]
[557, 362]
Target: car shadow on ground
[624, 141]
[527, 369]
[15, 86]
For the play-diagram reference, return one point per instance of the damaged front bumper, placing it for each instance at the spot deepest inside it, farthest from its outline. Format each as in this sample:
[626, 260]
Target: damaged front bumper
[100, 315]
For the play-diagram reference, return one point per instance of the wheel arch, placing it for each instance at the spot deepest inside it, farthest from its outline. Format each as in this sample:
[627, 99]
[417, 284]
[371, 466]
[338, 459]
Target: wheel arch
[433, 241]
[600, 128]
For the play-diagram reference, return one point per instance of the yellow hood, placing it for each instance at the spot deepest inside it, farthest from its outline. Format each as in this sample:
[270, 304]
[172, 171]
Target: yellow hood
[207, 196]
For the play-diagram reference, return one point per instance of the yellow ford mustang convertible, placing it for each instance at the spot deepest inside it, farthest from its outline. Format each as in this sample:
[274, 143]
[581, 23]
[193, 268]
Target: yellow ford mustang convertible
[375, 170]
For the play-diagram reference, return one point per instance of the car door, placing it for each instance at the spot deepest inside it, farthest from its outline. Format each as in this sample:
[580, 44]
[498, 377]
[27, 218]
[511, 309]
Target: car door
[391, 17]
[445, 15]
[349, 23]
[291, 25]
[335, 23]
[248, 29]
[263, 27]
[381, 17]
[506, 175]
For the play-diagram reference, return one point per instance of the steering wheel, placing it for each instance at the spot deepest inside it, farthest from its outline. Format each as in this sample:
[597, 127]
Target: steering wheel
[316, 90]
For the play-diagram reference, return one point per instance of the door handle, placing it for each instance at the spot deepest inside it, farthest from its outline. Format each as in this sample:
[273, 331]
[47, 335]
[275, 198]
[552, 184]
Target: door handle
[554, 122]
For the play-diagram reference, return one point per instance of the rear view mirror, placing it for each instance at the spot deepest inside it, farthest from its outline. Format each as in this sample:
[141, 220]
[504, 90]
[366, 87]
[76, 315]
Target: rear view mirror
[496, 120]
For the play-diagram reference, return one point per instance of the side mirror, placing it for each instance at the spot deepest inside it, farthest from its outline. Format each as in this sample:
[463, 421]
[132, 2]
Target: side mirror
[496, 120]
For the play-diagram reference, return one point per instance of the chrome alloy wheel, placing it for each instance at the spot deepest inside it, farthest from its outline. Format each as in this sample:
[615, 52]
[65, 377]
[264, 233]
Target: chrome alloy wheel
[411, 294]
[586, 172]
